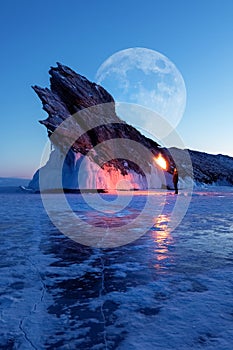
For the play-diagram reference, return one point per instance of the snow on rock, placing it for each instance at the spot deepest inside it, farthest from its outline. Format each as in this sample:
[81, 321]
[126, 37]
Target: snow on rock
[208, 169]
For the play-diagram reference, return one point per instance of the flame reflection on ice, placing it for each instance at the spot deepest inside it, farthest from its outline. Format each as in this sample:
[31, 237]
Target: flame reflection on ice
[163, 239]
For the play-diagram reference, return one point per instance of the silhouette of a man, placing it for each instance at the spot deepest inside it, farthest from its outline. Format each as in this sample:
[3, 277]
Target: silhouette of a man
[175, 179]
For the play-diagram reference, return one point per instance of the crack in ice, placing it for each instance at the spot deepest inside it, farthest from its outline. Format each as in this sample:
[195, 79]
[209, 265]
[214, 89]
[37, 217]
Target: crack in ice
[41, 281]
[102, 304]
[25, 334]
[35, 304]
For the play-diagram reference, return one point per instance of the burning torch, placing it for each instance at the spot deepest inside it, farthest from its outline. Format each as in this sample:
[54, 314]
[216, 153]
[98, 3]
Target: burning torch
[161, 161]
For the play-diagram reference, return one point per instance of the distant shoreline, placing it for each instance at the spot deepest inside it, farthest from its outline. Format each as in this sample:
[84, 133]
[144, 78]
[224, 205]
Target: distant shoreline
[13, 181]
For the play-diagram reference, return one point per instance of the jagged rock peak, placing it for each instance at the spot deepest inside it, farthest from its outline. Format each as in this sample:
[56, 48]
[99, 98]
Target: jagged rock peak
[71, 92]
[65, 82]
[74, 89]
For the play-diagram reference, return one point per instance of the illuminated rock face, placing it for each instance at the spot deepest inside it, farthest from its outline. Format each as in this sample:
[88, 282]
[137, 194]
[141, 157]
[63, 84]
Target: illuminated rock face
[91, 176]
[95, 122]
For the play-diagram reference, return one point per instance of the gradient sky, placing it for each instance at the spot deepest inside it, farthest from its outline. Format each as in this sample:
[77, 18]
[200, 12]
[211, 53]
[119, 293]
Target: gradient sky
[196, 35]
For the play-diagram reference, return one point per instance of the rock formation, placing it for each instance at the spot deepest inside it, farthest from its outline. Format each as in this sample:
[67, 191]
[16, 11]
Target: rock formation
[208, 169]
[212, 169]
[82, 117]
[94, 123]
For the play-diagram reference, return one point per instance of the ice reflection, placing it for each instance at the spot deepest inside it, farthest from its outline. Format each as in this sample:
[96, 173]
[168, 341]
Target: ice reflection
[163, 239]
[108, 219]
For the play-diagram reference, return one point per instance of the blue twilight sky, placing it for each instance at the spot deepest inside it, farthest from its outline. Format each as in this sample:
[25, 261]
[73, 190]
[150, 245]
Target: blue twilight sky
[197, 35]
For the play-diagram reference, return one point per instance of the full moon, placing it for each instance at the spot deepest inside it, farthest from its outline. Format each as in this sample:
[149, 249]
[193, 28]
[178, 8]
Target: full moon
[147, 78]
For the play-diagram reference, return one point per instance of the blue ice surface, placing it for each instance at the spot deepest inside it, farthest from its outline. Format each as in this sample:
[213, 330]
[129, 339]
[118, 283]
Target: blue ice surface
[166, 290]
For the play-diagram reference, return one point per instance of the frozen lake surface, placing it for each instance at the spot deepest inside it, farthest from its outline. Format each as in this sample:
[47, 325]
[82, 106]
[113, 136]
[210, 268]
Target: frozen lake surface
[166, 290]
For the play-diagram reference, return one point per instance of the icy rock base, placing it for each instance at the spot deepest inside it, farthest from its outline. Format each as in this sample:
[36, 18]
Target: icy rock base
[80, 172]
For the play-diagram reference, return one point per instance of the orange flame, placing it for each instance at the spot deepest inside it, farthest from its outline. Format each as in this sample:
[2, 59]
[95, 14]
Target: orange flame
[161, 161]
